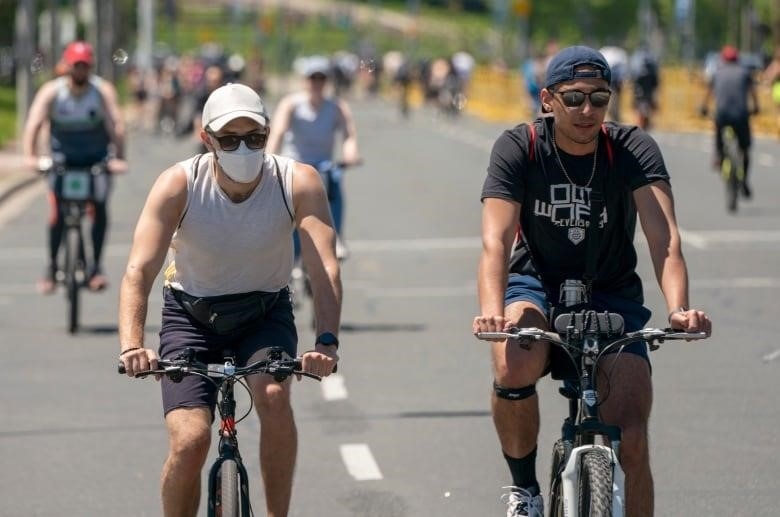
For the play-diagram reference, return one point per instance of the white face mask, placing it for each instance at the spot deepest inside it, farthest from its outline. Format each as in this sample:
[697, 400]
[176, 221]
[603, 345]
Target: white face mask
[242, 165]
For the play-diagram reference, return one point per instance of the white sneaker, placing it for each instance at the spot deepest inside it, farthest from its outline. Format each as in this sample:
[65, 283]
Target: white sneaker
[522, 503]
[342, 252]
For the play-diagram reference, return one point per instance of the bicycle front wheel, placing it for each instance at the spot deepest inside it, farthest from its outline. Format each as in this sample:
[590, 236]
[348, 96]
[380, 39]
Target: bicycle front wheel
[72, 261]
[595, 485]
[731, 179]
[556, 488]
[228, 503]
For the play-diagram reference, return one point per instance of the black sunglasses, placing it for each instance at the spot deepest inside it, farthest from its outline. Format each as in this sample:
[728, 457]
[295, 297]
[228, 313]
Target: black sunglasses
[575, 98]
[253, 140]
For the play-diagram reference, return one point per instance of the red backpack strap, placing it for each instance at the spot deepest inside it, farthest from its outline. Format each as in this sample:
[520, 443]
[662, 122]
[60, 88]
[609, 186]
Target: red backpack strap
[610, 152]
[532, 148]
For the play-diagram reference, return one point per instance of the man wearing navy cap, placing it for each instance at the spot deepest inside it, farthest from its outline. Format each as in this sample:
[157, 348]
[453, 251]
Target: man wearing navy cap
[546, 177]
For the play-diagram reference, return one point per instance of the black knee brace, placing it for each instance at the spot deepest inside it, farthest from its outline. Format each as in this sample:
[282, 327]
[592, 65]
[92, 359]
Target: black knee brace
[514, 393]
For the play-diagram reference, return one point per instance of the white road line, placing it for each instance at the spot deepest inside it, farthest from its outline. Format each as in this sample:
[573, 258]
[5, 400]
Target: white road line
[735, 283]
[766, 160]
[360, 462]
[692, 239]
[419, 292]
[333, 387]
[772, 356]
[701, 239]
[450, 243]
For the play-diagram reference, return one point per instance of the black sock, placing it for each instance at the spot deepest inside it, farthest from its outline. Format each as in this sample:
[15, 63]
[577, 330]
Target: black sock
[523, 470]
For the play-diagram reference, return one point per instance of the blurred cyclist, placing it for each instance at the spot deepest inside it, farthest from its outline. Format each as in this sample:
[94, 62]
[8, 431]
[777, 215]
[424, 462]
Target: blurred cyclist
[305, 128]
[645, 79]
[86, 128]
[731, 85]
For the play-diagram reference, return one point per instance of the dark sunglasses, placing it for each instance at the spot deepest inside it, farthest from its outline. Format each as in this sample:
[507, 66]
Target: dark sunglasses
[575, 98]
[231, 142]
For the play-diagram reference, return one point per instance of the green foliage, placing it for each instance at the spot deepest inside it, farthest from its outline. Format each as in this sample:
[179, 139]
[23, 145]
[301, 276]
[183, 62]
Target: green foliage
[7, 114]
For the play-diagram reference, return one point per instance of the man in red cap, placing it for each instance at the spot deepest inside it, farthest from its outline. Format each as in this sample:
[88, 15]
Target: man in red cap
[86, 128]
[731, 85]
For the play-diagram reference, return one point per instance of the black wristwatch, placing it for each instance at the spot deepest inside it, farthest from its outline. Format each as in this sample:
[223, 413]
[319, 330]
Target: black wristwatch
[327, 339]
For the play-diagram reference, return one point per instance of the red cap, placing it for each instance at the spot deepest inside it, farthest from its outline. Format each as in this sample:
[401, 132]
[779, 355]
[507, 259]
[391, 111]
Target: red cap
[729, 53]
[78, 52]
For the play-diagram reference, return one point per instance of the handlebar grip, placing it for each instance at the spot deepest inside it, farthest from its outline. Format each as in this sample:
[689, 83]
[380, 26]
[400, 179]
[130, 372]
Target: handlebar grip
[120, 368]
[299, 365]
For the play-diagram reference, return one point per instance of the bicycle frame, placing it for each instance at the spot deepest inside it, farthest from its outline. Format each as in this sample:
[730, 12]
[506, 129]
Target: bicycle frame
[228, 449]
[75, 192]
[732, 167]
[580, 465]
[225, 376]
[583, 425]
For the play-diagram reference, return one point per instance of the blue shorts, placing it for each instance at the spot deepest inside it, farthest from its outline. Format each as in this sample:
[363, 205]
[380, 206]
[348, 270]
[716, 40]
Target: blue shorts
[180, 330]
[635, 315]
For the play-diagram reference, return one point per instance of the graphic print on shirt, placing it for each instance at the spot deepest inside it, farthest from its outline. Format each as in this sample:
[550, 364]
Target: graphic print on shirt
[569, 207]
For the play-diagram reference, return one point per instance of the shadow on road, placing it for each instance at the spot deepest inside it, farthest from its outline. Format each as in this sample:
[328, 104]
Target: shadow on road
[382, 327]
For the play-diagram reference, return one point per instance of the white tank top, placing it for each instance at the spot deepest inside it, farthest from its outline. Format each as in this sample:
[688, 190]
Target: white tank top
[224, 247]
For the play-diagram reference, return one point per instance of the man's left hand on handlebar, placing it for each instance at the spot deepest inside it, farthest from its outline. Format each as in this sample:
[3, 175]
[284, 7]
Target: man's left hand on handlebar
[321, 361]
[691, 320]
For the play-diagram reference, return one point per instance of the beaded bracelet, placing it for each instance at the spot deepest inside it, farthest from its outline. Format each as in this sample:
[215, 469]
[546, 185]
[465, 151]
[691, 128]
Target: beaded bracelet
[123, 352]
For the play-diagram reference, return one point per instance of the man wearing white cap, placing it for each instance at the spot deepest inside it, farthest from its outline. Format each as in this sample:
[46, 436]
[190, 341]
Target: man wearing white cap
[225, 219]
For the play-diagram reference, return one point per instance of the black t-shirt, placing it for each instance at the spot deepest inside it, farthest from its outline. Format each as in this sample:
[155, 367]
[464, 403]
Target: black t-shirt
[555, 213]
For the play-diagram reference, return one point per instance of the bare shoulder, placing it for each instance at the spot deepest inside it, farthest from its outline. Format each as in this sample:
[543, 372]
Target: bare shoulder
[47, 90]
[173, 179]
[305, 177]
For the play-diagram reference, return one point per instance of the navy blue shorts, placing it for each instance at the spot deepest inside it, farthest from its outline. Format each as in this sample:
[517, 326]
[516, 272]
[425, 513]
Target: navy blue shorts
[635, 315]
[180, 330]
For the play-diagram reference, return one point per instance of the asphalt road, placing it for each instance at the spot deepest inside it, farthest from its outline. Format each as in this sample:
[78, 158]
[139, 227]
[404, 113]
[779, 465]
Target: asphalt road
[405, 430]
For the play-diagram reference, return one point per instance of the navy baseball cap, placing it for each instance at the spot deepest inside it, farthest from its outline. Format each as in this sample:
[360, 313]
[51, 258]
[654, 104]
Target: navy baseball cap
[563, 65]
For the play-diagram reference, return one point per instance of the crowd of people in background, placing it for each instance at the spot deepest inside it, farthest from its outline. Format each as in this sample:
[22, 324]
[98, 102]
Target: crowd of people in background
[168, 99]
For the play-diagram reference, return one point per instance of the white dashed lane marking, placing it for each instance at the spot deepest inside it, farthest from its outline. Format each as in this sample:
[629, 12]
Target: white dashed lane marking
[360, 462]
[333, 387]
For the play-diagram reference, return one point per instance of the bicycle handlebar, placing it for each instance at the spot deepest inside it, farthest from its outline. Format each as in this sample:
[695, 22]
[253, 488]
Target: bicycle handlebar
[280, 369]
[649, 335]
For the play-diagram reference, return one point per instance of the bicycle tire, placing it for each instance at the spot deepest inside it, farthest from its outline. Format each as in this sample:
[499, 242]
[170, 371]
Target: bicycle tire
[72, 254]
[228, 502]
[730, 169]
[731, 183]
[556, 488]
[595, 485]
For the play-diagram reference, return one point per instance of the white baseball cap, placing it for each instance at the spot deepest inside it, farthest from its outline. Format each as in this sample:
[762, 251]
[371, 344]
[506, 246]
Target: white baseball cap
[310, 65]
[230, 102]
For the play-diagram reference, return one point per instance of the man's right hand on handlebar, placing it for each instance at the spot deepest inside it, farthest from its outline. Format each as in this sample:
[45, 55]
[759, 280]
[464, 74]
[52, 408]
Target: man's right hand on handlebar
[491, 324]
[138, 359]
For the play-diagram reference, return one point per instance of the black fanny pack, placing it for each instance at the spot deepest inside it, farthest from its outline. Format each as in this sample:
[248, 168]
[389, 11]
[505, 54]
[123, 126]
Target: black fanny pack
[227, 313]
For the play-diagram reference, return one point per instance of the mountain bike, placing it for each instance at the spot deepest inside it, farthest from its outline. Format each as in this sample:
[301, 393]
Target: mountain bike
[76, 188]
[732, 168]
[228, 484]
[586, 478]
